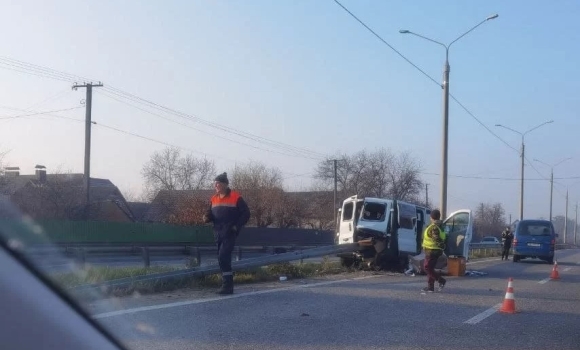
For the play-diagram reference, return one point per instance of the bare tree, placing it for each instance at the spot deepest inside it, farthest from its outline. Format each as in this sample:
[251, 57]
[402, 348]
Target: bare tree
[490, 220]
[379, 174]
[261, 187]
[168, 170]
[405, 183]
[134, 195]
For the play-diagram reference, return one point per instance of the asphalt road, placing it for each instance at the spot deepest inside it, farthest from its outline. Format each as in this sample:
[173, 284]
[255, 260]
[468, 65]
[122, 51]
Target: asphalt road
[368, 311]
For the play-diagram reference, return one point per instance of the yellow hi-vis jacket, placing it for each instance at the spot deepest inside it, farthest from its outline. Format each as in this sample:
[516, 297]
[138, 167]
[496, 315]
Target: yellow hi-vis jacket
[433, 237]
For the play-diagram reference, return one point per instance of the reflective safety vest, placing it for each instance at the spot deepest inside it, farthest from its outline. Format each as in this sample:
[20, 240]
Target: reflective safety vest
[431, 235]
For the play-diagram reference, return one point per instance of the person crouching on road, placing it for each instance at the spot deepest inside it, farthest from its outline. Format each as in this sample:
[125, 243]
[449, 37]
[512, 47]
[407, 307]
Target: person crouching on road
[433, 244]
[506, 239]
[228, 213]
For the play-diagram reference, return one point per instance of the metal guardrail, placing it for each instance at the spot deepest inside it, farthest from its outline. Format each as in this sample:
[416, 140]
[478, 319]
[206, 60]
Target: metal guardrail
[210, 270]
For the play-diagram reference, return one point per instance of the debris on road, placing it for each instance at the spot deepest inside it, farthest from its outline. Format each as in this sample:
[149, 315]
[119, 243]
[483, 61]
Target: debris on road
[475, 273]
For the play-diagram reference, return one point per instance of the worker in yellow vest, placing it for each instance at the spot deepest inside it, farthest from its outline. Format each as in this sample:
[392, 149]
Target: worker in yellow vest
[433, 245]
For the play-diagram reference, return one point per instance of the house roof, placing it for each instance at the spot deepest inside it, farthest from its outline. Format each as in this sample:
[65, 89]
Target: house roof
[139, 210]
[26, 187]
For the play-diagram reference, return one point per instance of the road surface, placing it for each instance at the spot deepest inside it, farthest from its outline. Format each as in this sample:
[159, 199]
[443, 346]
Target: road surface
[366, 311]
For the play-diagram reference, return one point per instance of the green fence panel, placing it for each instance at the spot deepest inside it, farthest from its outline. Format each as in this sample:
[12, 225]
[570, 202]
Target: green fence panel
[79, 232]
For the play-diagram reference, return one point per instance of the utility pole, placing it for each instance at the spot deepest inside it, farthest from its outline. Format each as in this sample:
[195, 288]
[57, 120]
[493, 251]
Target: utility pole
[427, 195]
[566, 219]
[334, 209]
[576, 224]
[88, 123]
[551, 192]
[510, 219]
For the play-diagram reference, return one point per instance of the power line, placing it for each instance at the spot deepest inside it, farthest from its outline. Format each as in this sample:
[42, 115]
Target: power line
[29, 68]
[220, 127]
[34, 69]
[40, 113]
[386, 43]
[107, 94]
[500, 178]
[179, 147]
[481, 123]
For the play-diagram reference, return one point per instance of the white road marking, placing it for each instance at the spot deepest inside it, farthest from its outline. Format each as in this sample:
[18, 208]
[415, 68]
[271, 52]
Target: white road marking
[567, 269]
[544, 281]
[234, 296]
[482, 316]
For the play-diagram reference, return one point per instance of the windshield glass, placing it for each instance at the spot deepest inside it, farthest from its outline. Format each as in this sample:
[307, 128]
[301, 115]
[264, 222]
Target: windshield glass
[374, 211]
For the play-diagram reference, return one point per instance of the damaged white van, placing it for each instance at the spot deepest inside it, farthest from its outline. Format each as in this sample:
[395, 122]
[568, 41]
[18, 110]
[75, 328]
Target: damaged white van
[390, 231]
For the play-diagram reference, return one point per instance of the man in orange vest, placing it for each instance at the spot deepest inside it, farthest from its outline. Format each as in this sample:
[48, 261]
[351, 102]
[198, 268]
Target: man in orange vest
[228, 213]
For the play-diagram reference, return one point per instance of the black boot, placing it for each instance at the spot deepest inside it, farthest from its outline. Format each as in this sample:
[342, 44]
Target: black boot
[227, 285]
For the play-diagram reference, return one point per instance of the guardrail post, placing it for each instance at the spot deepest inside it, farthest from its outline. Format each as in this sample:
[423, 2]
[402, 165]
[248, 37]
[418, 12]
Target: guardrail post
[196, 254]
[146, 260]
[238, 253]
[81, 257]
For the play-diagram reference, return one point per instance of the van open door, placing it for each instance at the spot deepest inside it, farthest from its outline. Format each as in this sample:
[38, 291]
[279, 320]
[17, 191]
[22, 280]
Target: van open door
[348, 220]
[459, 229]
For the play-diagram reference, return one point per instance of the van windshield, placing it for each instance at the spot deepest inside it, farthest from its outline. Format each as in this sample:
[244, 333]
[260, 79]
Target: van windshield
[374, 212]
[535, 229]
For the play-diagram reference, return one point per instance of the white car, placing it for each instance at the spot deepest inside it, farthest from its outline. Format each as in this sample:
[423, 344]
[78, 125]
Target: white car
[490, 240]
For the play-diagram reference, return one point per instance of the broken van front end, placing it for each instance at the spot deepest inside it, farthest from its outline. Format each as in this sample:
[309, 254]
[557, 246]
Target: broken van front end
[368, 222]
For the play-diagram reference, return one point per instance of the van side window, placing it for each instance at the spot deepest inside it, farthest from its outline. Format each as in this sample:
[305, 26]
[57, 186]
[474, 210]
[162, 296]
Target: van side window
[458, 224]
[347, 211]
[407, 216]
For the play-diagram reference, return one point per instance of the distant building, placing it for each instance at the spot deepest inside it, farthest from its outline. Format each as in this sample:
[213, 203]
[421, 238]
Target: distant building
[63, 196]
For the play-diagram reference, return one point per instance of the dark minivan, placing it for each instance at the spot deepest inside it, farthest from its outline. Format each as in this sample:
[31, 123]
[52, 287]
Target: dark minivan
[534, 239]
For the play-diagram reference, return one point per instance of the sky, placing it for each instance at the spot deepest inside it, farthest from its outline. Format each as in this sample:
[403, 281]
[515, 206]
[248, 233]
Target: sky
[305, 74]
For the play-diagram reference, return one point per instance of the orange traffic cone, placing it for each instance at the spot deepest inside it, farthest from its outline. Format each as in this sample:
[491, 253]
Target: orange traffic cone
[555, 275]
[509, 303]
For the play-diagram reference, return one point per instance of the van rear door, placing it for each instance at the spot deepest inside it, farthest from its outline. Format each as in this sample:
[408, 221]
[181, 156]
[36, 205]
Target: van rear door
[535, 237]
[348, 219]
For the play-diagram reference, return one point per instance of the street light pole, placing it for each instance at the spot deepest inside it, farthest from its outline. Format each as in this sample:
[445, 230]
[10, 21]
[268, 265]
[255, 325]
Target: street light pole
[445, 87]
[566, 219]
[523, 155]
[552, 179]
[551, 191]
[443, 199]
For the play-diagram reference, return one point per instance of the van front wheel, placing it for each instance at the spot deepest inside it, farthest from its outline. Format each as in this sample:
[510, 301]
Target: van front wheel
[516, 258]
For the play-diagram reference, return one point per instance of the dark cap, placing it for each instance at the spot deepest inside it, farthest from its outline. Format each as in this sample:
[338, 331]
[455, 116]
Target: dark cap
[223, 178]
[435, 214]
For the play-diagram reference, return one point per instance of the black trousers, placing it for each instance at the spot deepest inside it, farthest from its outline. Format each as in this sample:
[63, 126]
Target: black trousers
[225, 244]
[506, 251]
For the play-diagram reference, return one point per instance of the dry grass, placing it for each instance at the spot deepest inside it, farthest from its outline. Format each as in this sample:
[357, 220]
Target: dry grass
[261, 274]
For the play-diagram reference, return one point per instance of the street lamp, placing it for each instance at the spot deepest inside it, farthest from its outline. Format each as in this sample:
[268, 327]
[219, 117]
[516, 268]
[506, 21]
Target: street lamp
[523, 154]
[445, 87]
[552, 179]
